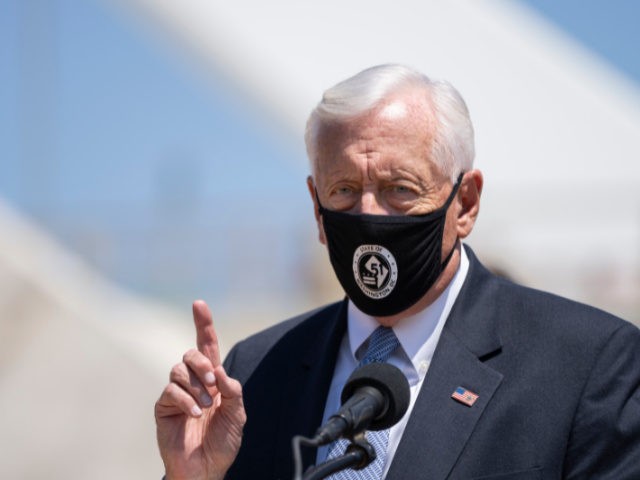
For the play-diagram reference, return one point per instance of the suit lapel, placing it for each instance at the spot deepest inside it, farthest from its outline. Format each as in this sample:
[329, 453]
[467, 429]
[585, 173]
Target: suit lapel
[439, 426]
[308, 379]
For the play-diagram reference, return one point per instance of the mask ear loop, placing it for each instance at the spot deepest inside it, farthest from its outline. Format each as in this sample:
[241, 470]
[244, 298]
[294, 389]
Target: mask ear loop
[446, 260]
[453, 193]
[447, 204]
[321, 209]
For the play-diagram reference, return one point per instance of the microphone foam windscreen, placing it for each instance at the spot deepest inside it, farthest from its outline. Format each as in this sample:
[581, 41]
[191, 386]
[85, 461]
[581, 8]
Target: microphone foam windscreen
[393, 385]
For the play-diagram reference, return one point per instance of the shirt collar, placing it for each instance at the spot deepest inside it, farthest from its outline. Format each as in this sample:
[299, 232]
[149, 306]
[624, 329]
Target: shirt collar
[415, 331]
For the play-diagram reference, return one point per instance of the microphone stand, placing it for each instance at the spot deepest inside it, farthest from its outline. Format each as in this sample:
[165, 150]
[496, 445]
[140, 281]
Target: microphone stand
[358, 455]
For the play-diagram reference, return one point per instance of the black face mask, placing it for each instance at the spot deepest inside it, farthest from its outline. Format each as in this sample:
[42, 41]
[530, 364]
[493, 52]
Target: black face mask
[386, 263]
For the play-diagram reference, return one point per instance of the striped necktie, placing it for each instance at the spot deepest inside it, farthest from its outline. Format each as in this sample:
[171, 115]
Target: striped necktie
[382, 343]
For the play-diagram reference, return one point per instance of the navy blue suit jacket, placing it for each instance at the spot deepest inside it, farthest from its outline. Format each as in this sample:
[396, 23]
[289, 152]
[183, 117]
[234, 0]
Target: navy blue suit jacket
[558, 385]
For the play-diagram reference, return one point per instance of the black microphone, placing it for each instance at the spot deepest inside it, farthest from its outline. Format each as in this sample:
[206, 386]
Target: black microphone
[375, 397]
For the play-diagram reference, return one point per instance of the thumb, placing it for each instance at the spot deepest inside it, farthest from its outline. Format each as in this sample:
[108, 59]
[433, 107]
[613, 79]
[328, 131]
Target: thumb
[229, 388]
[230, 412]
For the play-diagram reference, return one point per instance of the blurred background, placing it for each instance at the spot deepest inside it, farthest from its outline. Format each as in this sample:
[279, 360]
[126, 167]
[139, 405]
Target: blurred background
[151, 153]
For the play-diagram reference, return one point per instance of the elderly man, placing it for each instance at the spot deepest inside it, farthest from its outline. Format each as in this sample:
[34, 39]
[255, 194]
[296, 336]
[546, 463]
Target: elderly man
[506, 382]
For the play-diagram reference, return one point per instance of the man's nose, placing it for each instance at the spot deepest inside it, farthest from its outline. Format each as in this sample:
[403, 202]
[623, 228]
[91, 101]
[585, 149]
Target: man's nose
[371, 204]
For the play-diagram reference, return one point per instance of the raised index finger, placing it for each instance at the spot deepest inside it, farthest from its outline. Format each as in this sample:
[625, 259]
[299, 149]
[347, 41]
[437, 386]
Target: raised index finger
[206, 337]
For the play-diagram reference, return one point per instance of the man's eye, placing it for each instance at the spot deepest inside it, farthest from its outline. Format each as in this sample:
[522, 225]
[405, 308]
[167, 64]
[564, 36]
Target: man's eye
[344, 191]
[401, 189]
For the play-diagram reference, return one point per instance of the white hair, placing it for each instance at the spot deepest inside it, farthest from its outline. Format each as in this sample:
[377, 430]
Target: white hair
[453, 147]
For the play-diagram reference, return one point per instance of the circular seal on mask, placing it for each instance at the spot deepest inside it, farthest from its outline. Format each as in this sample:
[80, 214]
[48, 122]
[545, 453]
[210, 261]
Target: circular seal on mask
[375, 270]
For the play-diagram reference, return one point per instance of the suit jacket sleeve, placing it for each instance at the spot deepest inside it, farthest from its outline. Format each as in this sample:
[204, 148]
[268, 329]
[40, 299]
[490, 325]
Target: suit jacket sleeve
[605, 440]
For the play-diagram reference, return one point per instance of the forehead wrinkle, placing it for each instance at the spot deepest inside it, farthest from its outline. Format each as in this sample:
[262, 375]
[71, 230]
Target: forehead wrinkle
[369, 168]
[340, 170]
[401, 172]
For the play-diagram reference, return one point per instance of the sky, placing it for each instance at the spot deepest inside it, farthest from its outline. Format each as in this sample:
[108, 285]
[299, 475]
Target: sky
[162, 180]
[128, 158]
[608, 27]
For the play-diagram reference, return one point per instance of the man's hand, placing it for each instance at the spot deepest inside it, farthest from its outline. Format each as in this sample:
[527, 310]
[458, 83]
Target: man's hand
[200, 414]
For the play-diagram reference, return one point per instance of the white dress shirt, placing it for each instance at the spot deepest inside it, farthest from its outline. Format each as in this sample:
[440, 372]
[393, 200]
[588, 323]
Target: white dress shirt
[418, 336]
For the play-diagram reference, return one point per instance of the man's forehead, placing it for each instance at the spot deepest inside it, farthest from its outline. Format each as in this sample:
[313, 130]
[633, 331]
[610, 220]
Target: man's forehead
[384, 133]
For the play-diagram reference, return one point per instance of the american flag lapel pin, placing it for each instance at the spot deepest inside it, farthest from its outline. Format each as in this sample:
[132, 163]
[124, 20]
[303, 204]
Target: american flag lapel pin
[464, 396]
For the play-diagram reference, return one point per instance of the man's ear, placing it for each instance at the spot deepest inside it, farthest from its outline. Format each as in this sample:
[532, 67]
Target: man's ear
[468, 199]
[316, 209]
